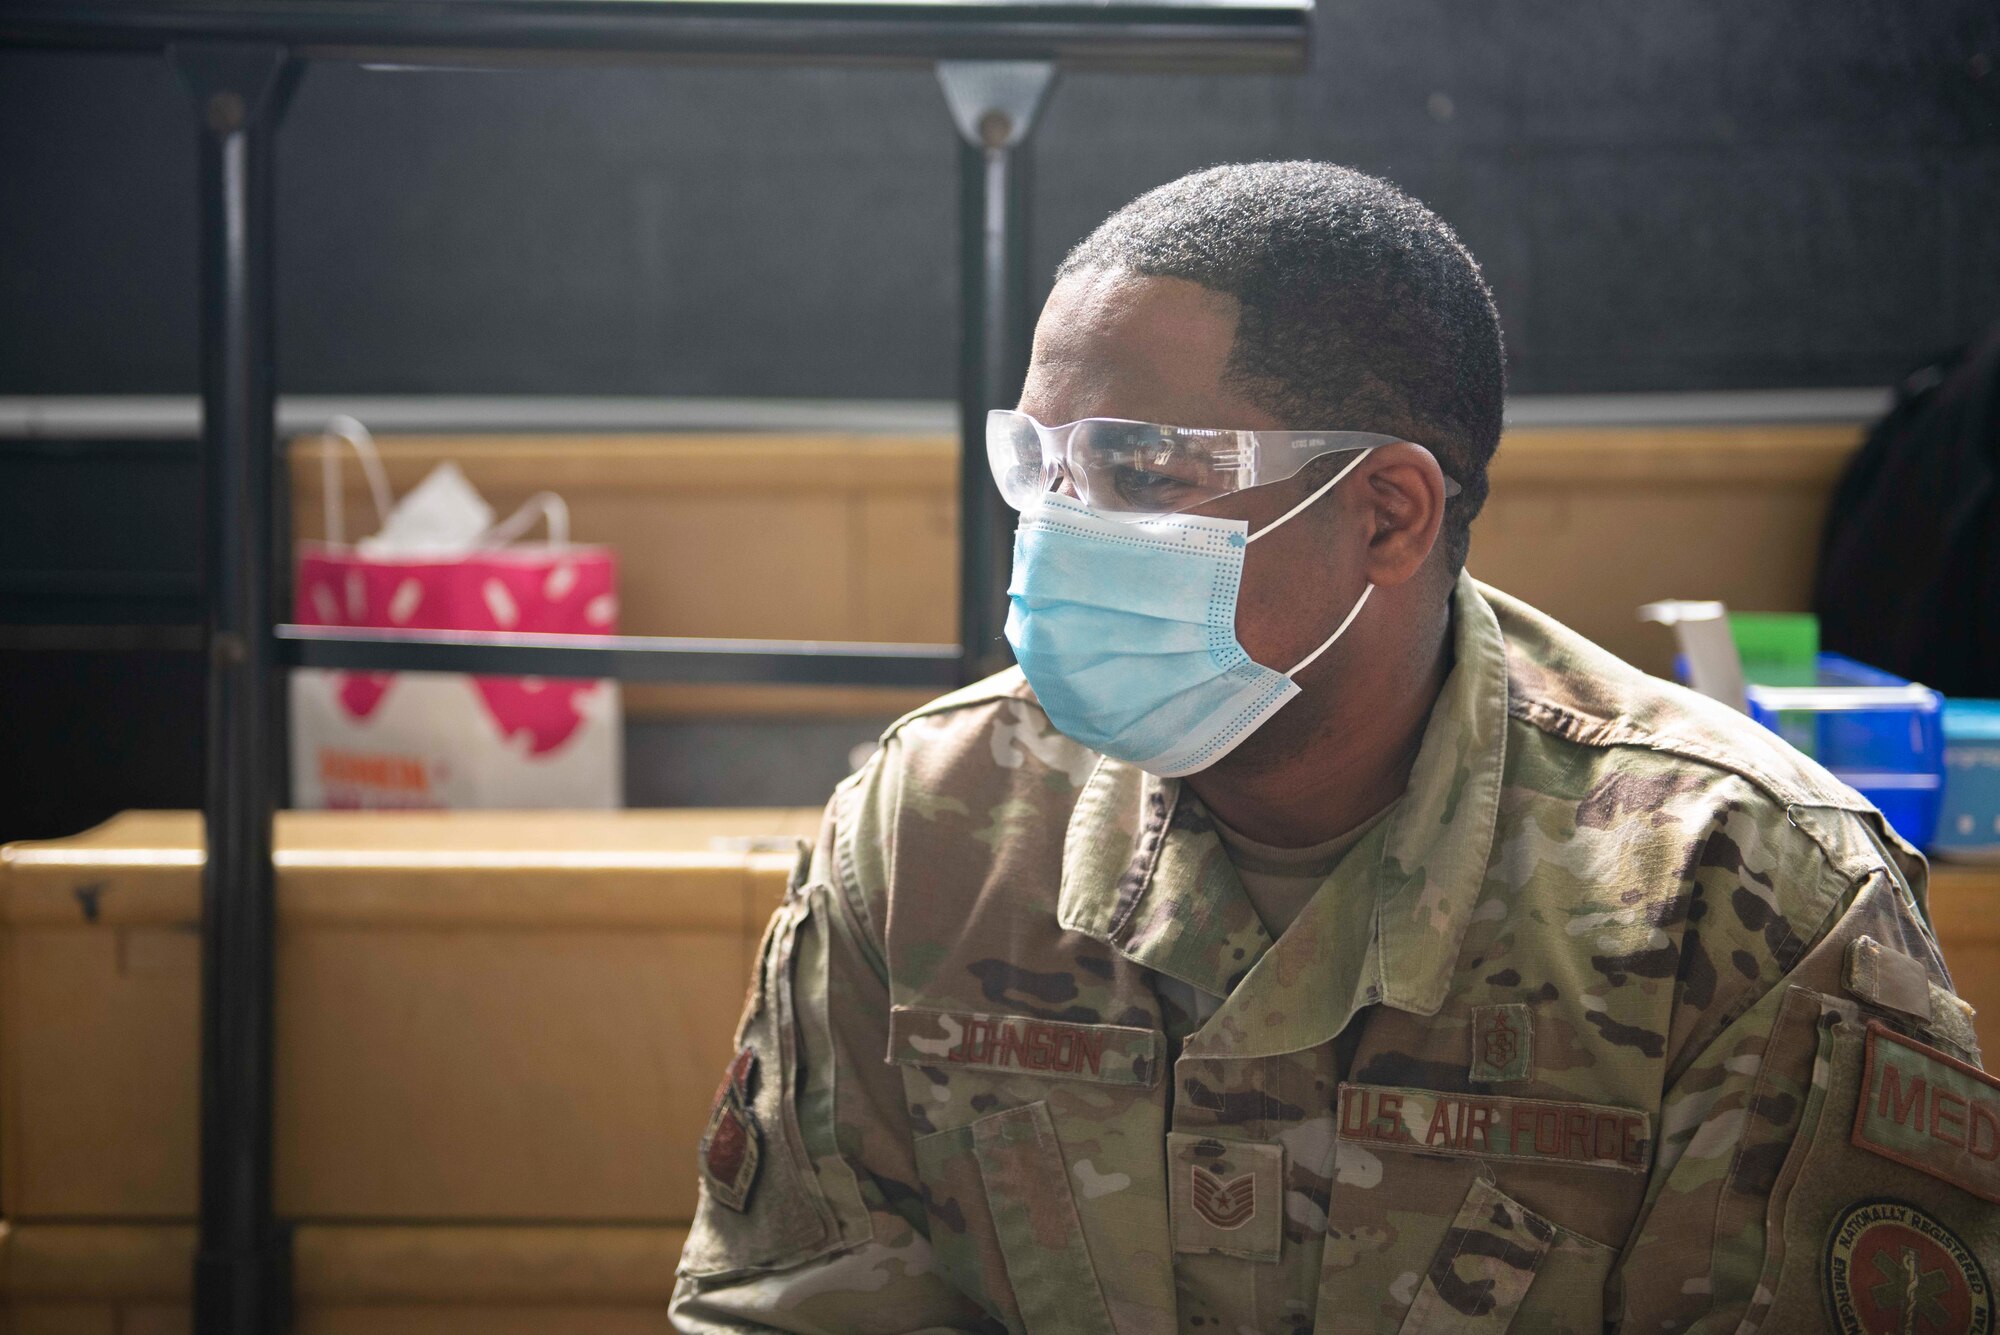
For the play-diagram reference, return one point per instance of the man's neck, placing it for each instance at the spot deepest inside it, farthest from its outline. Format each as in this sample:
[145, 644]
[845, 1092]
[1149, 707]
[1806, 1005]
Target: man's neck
[1341, 763]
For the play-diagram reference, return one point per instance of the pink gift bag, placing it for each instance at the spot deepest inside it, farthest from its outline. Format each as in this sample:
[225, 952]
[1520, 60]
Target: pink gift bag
[414, 739]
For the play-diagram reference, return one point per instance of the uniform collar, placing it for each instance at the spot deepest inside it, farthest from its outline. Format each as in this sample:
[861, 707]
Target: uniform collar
[1439, 838]
[1144, 871]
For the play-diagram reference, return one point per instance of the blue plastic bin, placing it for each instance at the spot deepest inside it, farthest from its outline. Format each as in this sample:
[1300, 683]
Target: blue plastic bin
[1880, 734]
[1970, 824]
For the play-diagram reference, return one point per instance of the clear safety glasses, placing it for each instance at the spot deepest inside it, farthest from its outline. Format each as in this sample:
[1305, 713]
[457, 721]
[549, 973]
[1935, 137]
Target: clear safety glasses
[1149, 469]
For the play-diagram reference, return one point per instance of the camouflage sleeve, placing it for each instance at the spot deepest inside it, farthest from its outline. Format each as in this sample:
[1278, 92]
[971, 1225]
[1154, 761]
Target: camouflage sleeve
[810, 1218]
[1758, 1170]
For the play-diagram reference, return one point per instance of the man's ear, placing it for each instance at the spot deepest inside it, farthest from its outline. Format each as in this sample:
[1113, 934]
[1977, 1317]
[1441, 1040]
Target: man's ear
[1402, 491]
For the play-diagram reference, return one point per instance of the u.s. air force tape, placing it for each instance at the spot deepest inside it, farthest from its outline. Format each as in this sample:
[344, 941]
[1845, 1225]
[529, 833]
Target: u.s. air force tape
[1106, 1053]
[1480, 1126]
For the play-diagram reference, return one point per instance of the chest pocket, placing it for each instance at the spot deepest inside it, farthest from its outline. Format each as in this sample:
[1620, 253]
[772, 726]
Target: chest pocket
[1440, 1213]
[1502, 1266]
[1004, 1225]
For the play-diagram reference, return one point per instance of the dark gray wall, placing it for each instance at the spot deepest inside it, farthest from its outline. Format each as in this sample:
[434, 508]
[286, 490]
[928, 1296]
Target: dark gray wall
[1701, 194]
[1697, 194]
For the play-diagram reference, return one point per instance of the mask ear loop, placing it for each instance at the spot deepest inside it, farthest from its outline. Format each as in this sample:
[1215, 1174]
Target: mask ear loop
[1354, 612]
[1360, 602]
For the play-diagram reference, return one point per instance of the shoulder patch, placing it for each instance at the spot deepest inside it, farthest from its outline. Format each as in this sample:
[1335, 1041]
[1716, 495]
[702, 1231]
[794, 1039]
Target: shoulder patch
[1929, 1111]
[1891, 1267]
[771, 1196]
[732, 1144]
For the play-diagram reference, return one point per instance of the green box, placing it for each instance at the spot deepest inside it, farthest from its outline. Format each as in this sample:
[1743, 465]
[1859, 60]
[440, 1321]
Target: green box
[1777, 648]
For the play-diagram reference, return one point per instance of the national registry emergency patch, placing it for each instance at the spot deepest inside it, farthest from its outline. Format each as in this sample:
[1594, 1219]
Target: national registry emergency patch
[1891, 1269]
[732, 1143]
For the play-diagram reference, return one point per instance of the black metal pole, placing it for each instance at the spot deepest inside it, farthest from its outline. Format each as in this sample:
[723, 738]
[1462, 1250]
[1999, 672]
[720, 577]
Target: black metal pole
[994, 105]
[991, 204]
[242, 1268]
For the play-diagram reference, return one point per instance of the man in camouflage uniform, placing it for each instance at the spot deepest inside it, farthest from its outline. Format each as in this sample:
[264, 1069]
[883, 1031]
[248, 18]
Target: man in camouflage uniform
[1593, 1005]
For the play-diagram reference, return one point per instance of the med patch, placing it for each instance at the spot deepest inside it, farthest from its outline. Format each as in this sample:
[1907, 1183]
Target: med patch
[1890, 1267]
[1927, 1110]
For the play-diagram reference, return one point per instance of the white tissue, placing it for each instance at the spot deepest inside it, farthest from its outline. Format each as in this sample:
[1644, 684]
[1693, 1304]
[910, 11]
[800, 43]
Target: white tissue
[444, 515]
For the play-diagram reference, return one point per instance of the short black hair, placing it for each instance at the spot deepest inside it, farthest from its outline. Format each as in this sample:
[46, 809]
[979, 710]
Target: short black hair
[1359, 309]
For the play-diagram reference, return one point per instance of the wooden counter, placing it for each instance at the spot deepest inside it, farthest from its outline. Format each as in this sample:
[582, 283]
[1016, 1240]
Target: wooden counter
[851, 537]
[458, 995]
[135, 1279]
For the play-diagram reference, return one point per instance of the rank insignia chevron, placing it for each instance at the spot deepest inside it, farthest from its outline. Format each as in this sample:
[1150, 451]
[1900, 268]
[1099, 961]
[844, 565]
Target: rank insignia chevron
[1225, 1204]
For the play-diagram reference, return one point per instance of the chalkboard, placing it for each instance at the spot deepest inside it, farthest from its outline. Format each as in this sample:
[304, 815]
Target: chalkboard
[1700, 195]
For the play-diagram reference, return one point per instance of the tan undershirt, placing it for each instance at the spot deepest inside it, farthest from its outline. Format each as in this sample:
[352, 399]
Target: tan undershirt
[1282, 881]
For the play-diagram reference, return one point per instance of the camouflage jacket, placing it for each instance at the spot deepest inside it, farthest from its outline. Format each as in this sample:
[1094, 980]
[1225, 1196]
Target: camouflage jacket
[1626, 1015]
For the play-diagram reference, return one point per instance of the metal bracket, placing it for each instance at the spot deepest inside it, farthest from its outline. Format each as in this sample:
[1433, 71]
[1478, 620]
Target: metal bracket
[235, 84]
[994, 103]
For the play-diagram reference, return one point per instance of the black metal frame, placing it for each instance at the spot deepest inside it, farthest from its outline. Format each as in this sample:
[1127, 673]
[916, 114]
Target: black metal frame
[239, 63]
[626, 657]
[1256, 37]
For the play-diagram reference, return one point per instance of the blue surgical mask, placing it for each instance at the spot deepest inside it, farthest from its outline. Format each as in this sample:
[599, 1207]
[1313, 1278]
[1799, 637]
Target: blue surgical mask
[1127, 631]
